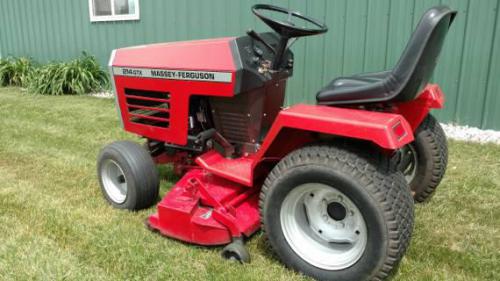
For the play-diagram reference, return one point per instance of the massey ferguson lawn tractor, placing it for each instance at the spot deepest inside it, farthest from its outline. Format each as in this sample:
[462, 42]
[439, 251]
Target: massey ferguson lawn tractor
[332, 185]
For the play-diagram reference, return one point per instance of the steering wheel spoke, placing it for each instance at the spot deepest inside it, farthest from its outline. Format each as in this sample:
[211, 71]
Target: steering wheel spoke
[287, 28]
[289, 19]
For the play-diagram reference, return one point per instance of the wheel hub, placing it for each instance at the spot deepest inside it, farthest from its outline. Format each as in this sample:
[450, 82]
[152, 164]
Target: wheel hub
[336, 211]
[323, 226]
[114, 181]
[408, 163]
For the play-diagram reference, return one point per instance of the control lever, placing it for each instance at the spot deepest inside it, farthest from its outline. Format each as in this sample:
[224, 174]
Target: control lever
[257, 37]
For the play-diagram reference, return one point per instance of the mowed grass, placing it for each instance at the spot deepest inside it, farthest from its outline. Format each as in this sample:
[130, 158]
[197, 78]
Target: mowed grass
[55, 225]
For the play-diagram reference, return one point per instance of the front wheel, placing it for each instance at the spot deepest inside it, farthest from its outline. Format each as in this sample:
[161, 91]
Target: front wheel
[128, 176]
[337, 213]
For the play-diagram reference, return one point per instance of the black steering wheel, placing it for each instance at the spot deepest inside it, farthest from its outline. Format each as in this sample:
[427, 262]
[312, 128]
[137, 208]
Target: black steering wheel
[287, 28]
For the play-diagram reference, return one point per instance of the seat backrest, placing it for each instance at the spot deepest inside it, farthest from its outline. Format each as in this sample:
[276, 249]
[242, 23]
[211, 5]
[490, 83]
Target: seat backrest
[416, 65]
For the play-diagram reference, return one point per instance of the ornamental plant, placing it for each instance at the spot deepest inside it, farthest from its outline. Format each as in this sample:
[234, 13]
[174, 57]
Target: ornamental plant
[77, 77]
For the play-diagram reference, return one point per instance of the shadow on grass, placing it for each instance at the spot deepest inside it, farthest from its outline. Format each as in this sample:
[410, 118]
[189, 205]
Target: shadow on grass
[264, 247]
[167, 174]
[393, 272]
[167, 180]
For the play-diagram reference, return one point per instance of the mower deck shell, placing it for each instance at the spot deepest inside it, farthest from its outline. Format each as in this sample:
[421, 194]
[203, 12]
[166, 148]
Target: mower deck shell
[207, 210]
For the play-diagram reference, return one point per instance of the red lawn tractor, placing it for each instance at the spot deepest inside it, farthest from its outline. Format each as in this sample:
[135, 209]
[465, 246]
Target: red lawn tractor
[332, 185]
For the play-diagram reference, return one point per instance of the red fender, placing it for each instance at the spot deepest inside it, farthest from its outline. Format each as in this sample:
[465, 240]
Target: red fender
[388, 130]
[416, 110]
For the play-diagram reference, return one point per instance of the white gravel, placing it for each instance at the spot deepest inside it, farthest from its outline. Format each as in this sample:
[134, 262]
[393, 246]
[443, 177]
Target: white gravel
[456, 132]
[466, 133]
[102, 95]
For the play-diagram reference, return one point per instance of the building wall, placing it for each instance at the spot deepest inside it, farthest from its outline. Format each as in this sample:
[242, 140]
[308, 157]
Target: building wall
[365, 35]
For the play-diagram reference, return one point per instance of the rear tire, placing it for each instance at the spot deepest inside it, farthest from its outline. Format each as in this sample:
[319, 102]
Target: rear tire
[365, 185]
[128, 176]
[430, 151]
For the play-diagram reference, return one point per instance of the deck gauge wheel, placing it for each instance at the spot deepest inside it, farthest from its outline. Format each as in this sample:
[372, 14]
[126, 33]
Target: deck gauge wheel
[236, 251]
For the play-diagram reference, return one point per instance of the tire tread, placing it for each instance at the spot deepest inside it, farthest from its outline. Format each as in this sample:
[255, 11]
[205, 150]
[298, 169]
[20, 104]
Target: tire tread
[380, 179]
[433, 138]
[143, 169]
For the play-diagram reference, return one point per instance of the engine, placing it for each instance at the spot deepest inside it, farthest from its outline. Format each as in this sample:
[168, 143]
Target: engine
[187, 95]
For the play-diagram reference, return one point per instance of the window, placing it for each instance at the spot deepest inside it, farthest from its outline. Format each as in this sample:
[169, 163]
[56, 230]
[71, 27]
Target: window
[113, 10]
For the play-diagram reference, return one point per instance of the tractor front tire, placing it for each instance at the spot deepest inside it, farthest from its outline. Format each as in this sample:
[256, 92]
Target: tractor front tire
[429, 156]
[128, 176]
[337, 213]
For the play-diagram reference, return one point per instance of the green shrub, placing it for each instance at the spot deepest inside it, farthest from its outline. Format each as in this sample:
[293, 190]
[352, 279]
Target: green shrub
[4, 72]
[79, 76]
[16, 71]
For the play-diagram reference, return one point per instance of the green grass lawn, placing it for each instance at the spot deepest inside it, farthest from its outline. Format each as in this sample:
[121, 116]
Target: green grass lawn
[54, 223]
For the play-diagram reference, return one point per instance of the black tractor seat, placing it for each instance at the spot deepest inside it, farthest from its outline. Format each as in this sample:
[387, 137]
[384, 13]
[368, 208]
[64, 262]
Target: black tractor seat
[409, 76]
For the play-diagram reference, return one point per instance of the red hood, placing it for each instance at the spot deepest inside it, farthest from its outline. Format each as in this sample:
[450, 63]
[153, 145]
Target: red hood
[210, 55]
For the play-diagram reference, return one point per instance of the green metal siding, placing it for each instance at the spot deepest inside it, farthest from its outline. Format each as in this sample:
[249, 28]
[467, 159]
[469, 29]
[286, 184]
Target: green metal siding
[365, 35]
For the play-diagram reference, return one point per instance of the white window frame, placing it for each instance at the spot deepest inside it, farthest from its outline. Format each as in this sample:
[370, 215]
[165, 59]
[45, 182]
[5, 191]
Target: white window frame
[113, 17]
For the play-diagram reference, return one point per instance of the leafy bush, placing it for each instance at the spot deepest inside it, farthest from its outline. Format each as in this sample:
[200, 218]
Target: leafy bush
[16, 71]
[79, 76]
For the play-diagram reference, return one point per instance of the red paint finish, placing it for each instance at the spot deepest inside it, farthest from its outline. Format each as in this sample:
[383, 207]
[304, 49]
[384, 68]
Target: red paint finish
[390, 131]
[207, 210]
[210, 54]
[344, 122]
[180, 91]
[217, 200]
[238, 170]
[416, 110]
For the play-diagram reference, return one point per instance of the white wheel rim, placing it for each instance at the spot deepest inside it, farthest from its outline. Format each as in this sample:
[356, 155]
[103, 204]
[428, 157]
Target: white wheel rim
[114, 181]
[322, 240]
